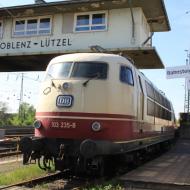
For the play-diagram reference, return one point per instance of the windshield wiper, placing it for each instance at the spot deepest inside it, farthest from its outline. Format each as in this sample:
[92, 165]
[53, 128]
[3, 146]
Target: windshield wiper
[96, 75]
[52, 83]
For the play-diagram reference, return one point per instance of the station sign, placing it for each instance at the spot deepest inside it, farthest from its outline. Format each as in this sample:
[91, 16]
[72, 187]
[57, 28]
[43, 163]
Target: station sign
[46, 44]
[178, 72]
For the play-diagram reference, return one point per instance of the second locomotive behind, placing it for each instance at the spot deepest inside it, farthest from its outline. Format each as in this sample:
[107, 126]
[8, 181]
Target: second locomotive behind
[94, 107]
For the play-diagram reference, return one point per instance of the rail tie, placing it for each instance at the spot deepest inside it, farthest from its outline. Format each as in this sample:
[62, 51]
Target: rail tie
[35, 181]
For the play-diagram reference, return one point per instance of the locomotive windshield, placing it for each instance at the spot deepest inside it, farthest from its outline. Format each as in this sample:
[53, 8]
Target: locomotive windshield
[77, 70]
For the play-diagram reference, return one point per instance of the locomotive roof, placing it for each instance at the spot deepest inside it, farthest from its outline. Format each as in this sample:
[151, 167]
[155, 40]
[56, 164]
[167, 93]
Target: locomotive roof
[89, 57]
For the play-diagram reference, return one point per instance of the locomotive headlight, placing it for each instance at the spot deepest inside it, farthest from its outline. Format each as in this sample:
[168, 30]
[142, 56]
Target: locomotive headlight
[37, 124]
[96, 126]
[66, 85]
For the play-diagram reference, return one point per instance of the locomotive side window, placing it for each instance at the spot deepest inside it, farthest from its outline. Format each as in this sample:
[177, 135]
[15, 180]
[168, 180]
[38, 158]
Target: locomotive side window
[150, 107]
[90, 70]
[157, 104]
[150, 90]
[126, 75]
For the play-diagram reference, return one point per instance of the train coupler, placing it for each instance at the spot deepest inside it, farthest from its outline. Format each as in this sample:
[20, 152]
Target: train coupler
[30, 148]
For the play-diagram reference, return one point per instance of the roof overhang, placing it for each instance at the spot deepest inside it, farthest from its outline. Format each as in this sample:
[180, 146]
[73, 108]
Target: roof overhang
[144, 58]
[154, 10]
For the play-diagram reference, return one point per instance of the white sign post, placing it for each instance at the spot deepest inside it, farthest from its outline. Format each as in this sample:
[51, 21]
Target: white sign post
[178, 72]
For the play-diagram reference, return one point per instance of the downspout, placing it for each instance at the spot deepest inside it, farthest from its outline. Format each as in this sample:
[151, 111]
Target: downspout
[133, 22]
[149, 38]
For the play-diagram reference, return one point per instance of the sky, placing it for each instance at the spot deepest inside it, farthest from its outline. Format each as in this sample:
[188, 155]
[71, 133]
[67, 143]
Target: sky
[170, 46]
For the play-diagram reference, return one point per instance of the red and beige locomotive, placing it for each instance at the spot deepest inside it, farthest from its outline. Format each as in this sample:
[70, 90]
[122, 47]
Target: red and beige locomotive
[93, 107]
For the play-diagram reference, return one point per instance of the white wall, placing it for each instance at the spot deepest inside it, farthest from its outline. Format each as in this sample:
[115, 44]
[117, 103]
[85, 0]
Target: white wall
[63, 39]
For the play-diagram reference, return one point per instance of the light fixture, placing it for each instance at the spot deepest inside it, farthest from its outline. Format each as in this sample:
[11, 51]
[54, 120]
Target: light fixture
[37, 124]
[96, 126]
[66, 85]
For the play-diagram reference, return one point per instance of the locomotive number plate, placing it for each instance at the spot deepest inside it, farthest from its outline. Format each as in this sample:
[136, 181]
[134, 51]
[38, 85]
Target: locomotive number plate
[63, 125]
[64, 101]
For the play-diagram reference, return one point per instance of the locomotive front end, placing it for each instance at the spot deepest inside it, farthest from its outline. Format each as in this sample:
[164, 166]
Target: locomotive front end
[68, 117]
[72, 92]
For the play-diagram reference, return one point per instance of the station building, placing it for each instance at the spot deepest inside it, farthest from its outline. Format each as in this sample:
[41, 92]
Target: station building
[31, 35]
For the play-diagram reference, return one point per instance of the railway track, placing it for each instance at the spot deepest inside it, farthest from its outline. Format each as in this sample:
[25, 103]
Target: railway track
[3, 150]
[58, 180]
[33, 182]
[11, 138]
[66, 181]
[9, 147]
[8, 154]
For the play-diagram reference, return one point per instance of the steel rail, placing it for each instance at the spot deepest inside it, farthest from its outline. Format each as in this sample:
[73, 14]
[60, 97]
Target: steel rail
[7, 154]
[36, 181]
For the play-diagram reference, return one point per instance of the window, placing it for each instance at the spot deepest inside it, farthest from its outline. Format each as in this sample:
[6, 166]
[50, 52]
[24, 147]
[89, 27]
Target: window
[1, 29]
[90, 70]
[90, 22]
[150, 107]
[59, 70]
[126, 75]
[32, 26]
[157, 96]
[94, 70]
[150, 90]
[168, 104]
[158, 111]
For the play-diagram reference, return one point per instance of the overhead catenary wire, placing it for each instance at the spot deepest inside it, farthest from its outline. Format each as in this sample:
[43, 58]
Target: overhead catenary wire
[11, 94]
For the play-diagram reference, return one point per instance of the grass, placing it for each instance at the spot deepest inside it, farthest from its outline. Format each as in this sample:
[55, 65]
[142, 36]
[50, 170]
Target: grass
[107, 187]
[112, 185]
[32, 171]
[21, 174]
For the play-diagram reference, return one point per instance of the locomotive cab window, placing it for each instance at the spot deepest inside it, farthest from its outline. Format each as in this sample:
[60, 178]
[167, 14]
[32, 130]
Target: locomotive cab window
[59, 70]
[94, 70]
[89, 70]
[126, 75]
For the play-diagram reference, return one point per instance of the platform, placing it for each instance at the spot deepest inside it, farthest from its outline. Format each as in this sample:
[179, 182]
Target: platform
[170, 171]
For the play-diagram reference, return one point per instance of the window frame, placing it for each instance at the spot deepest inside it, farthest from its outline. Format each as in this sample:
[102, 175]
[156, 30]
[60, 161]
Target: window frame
[151, 108]
[91, 62]
[25, 26]
[150, 91]
[90, 25]
[2, 29]
[73, 63]
[131, 75]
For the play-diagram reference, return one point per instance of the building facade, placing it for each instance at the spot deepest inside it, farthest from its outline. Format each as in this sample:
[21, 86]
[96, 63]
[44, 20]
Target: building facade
[31, 35]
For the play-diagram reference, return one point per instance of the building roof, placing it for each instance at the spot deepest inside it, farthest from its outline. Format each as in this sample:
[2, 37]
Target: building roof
[144, 58]
[154, 10]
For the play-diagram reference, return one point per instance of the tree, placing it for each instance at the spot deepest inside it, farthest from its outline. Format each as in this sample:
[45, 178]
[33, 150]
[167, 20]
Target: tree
[25, 117]
[3, 114]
